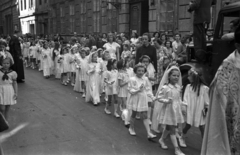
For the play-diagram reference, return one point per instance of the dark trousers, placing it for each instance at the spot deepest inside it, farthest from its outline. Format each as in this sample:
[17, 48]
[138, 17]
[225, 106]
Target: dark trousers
[199, 37]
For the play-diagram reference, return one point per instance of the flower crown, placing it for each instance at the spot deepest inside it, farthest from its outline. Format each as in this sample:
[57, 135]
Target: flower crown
[193, 71]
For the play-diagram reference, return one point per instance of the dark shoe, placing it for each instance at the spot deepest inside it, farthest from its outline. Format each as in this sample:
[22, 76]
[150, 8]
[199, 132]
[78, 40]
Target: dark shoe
[20, 81]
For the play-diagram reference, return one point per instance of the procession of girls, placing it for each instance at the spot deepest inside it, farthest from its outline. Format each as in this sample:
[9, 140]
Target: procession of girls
[130, 89]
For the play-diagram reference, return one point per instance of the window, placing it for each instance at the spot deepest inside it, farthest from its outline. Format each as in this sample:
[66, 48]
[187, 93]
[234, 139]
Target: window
[83, 25]
[30, 3]
[45, 1]
[166, 13]
[25, 5]
[61, 12]
[62, 26]
[227, 18]
[54, 25]
[72, 25]
[21, 5]
[40, 2]
[96, 5]
[83, 6]
[96, 15]
[53, 12]
[96, 22]
[72, 10]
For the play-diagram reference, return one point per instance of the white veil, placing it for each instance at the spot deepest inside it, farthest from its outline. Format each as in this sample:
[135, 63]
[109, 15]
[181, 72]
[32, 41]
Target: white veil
[158, 105]
[165, 78]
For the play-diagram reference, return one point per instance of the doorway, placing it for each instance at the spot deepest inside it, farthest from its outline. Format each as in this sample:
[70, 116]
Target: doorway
[32, 31]
[139, 10]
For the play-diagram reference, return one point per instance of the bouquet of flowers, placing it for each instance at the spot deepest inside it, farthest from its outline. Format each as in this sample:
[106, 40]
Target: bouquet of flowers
[77, 65]
[44, 56]
[60, 59]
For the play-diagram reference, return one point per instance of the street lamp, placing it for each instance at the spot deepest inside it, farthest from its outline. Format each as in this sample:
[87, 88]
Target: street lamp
[117, 5]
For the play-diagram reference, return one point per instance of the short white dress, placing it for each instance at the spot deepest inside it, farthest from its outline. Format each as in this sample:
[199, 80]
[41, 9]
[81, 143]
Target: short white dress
[26, 46]
[72, 63]
[170, 114]
[83, 69]
[195, 105]
[138, 101]
[64, 64]
[6, 88]
[112, 76]
[123, 91]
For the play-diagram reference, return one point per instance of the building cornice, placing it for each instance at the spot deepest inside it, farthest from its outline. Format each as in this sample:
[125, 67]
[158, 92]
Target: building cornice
[25, 16]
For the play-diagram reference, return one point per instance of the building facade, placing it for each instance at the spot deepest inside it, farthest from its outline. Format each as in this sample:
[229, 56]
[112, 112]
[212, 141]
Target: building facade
[34, 16]
[102, 16]
[98, 16]
[9, 17]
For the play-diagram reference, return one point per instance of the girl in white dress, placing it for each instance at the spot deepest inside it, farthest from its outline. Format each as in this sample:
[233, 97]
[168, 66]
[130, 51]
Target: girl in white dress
[111, 81]
[39, 58]
[93, 82]
[150, 74]
[56, 54]
[8, 86]
[105, 58]
[170, 113]
[64, 65]
[196, 99]
[77, 85]
[138, 101]
[83, 77]
[126, 50]
[123, 79]
[33, 50]
[46, 60]
[26, 46]
[72, 65]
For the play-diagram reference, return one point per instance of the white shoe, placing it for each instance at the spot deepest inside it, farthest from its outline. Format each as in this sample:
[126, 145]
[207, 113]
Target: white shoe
[178, 152]
[132, 132]
[107, 111]
[116, 115]
[182, 141]
[83, 95]
[162, 144]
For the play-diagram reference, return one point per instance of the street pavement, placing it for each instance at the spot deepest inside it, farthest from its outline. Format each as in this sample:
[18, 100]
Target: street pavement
[62, 123]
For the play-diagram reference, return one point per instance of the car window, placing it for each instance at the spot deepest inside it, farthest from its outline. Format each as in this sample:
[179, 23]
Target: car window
[227, 18]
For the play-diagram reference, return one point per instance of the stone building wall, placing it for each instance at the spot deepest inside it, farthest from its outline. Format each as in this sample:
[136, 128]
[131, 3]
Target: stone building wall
[9, 17]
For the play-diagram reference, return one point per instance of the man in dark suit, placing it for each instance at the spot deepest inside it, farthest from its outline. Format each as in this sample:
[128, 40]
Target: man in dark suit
[147, 49]
[202, 18]
[15, 50]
